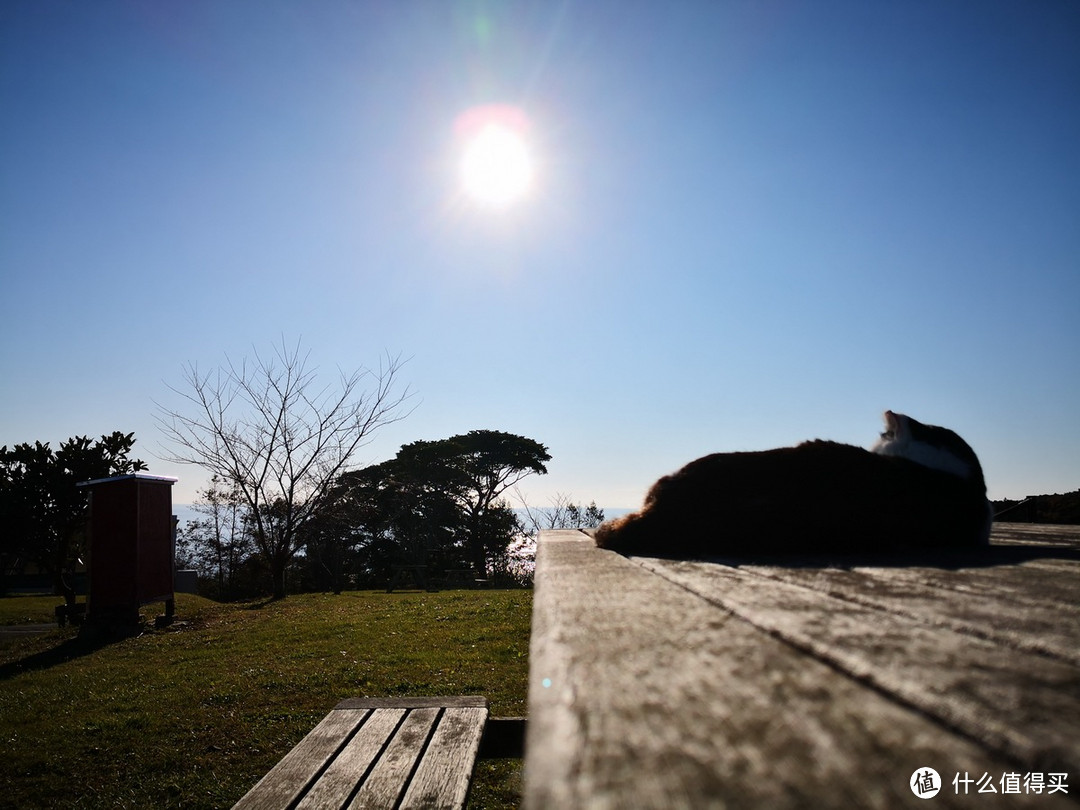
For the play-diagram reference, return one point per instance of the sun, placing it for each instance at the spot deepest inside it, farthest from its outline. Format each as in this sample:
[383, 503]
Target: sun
[496, 165]
[496, 168]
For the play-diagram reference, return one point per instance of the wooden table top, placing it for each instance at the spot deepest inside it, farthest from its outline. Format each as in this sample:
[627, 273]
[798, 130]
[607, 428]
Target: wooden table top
[811, 682]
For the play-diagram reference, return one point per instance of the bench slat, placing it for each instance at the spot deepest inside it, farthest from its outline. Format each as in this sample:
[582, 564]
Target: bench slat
[288, 780]
[438, 781]
[925, 666]
[379, 753]
[666, 684]
[387, 780]
[965, 600]
[338, 781]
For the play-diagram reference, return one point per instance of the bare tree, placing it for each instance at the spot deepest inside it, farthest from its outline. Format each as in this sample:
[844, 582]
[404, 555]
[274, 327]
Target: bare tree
[218, 543]
[562, 514]
[266, 427]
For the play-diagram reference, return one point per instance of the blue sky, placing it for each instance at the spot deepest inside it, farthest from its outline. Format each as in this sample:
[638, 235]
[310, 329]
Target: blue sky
[752, 223]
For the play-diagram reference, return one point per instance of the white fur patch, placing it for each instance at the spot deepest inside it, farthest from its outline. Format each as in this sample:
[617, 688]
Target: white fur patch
[898, 441]
[936, 458]
[928, 455]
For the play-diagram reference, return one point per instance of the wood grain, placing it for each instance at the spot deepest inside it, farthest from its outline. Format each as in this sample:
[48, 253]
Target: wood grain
[380, 753]
[658, 683]
[337, 783]
[439, 780]
[291, 777]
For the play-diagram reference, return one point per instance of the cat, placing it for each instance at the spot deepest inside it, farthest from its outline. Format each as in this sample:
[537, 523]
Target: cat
[919, 486]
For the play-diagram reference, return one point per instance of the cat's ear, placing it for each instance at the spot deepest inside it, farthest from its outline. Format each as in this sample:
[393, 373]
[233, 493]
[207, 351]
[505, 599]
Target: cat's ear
[889, 435]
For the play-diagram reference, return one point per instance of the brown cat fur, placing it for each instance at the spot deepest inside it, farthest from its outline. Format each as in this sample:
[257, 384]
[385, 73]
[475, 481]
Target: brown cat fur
[818, 496]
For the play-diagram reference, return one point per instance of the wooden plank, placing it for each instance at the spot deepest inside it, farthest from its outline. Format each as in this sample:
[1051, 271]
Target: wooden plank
[1031, 574]
[335, 786]
[288, 780]
[1054, 533]
[1031, 603]
[644, 694]
[380, 752]
[1022, 706]
[387, 780]
[448, 701]
[439, 780]
[1005, 606]
[1005, 619]
[1021, 585]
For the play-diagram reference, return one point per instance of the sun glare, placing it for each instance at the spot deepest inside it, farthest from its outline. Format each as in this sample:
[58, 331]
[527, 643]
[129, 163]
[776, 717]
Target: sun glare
[496, 167]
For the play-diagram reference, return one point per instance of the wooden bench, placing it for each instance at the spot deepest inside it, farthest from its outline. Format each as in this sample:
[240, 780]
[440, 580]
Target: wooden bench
[380, 752]
[404, 576]
[463, 578]
[806, 683]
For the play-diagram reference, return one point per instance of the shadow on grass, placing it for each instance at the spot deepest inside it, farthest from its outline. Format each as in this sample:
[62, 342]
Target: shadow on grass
[65, 651]
[260, 605]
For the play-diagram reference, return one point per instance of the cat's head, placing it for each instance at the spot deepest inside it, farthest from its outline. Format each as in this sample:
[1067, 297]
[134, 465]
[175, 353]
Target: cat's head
[935, 447]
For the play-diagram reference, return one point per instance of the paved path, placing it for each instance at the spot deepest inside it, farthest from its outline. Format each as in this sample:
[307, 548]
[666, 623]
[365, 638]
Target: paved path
[20, 630]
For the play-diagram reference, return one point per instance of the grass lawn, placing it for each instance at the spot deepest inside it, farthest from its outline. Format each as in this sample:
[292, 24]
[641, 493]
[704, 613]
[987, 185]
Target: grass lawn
[193, 716]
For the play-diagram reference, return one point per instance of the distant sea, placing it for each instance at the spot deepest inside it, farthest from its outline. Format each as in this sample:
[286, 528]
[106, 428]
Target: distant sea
[186, 513]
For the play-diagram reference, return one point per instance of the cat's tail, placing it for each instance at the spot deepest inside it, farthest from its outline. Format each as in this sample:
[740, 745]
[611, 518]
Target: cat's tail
[608, 531]
[627, 534]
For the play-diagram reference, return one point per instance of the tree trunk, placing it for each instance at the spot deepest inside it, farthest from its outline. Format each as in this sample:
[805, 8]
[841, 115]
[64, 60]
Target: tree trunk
[474, 543]
[476, 553]
[63, 588]
[60, 582]
[277, 573]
